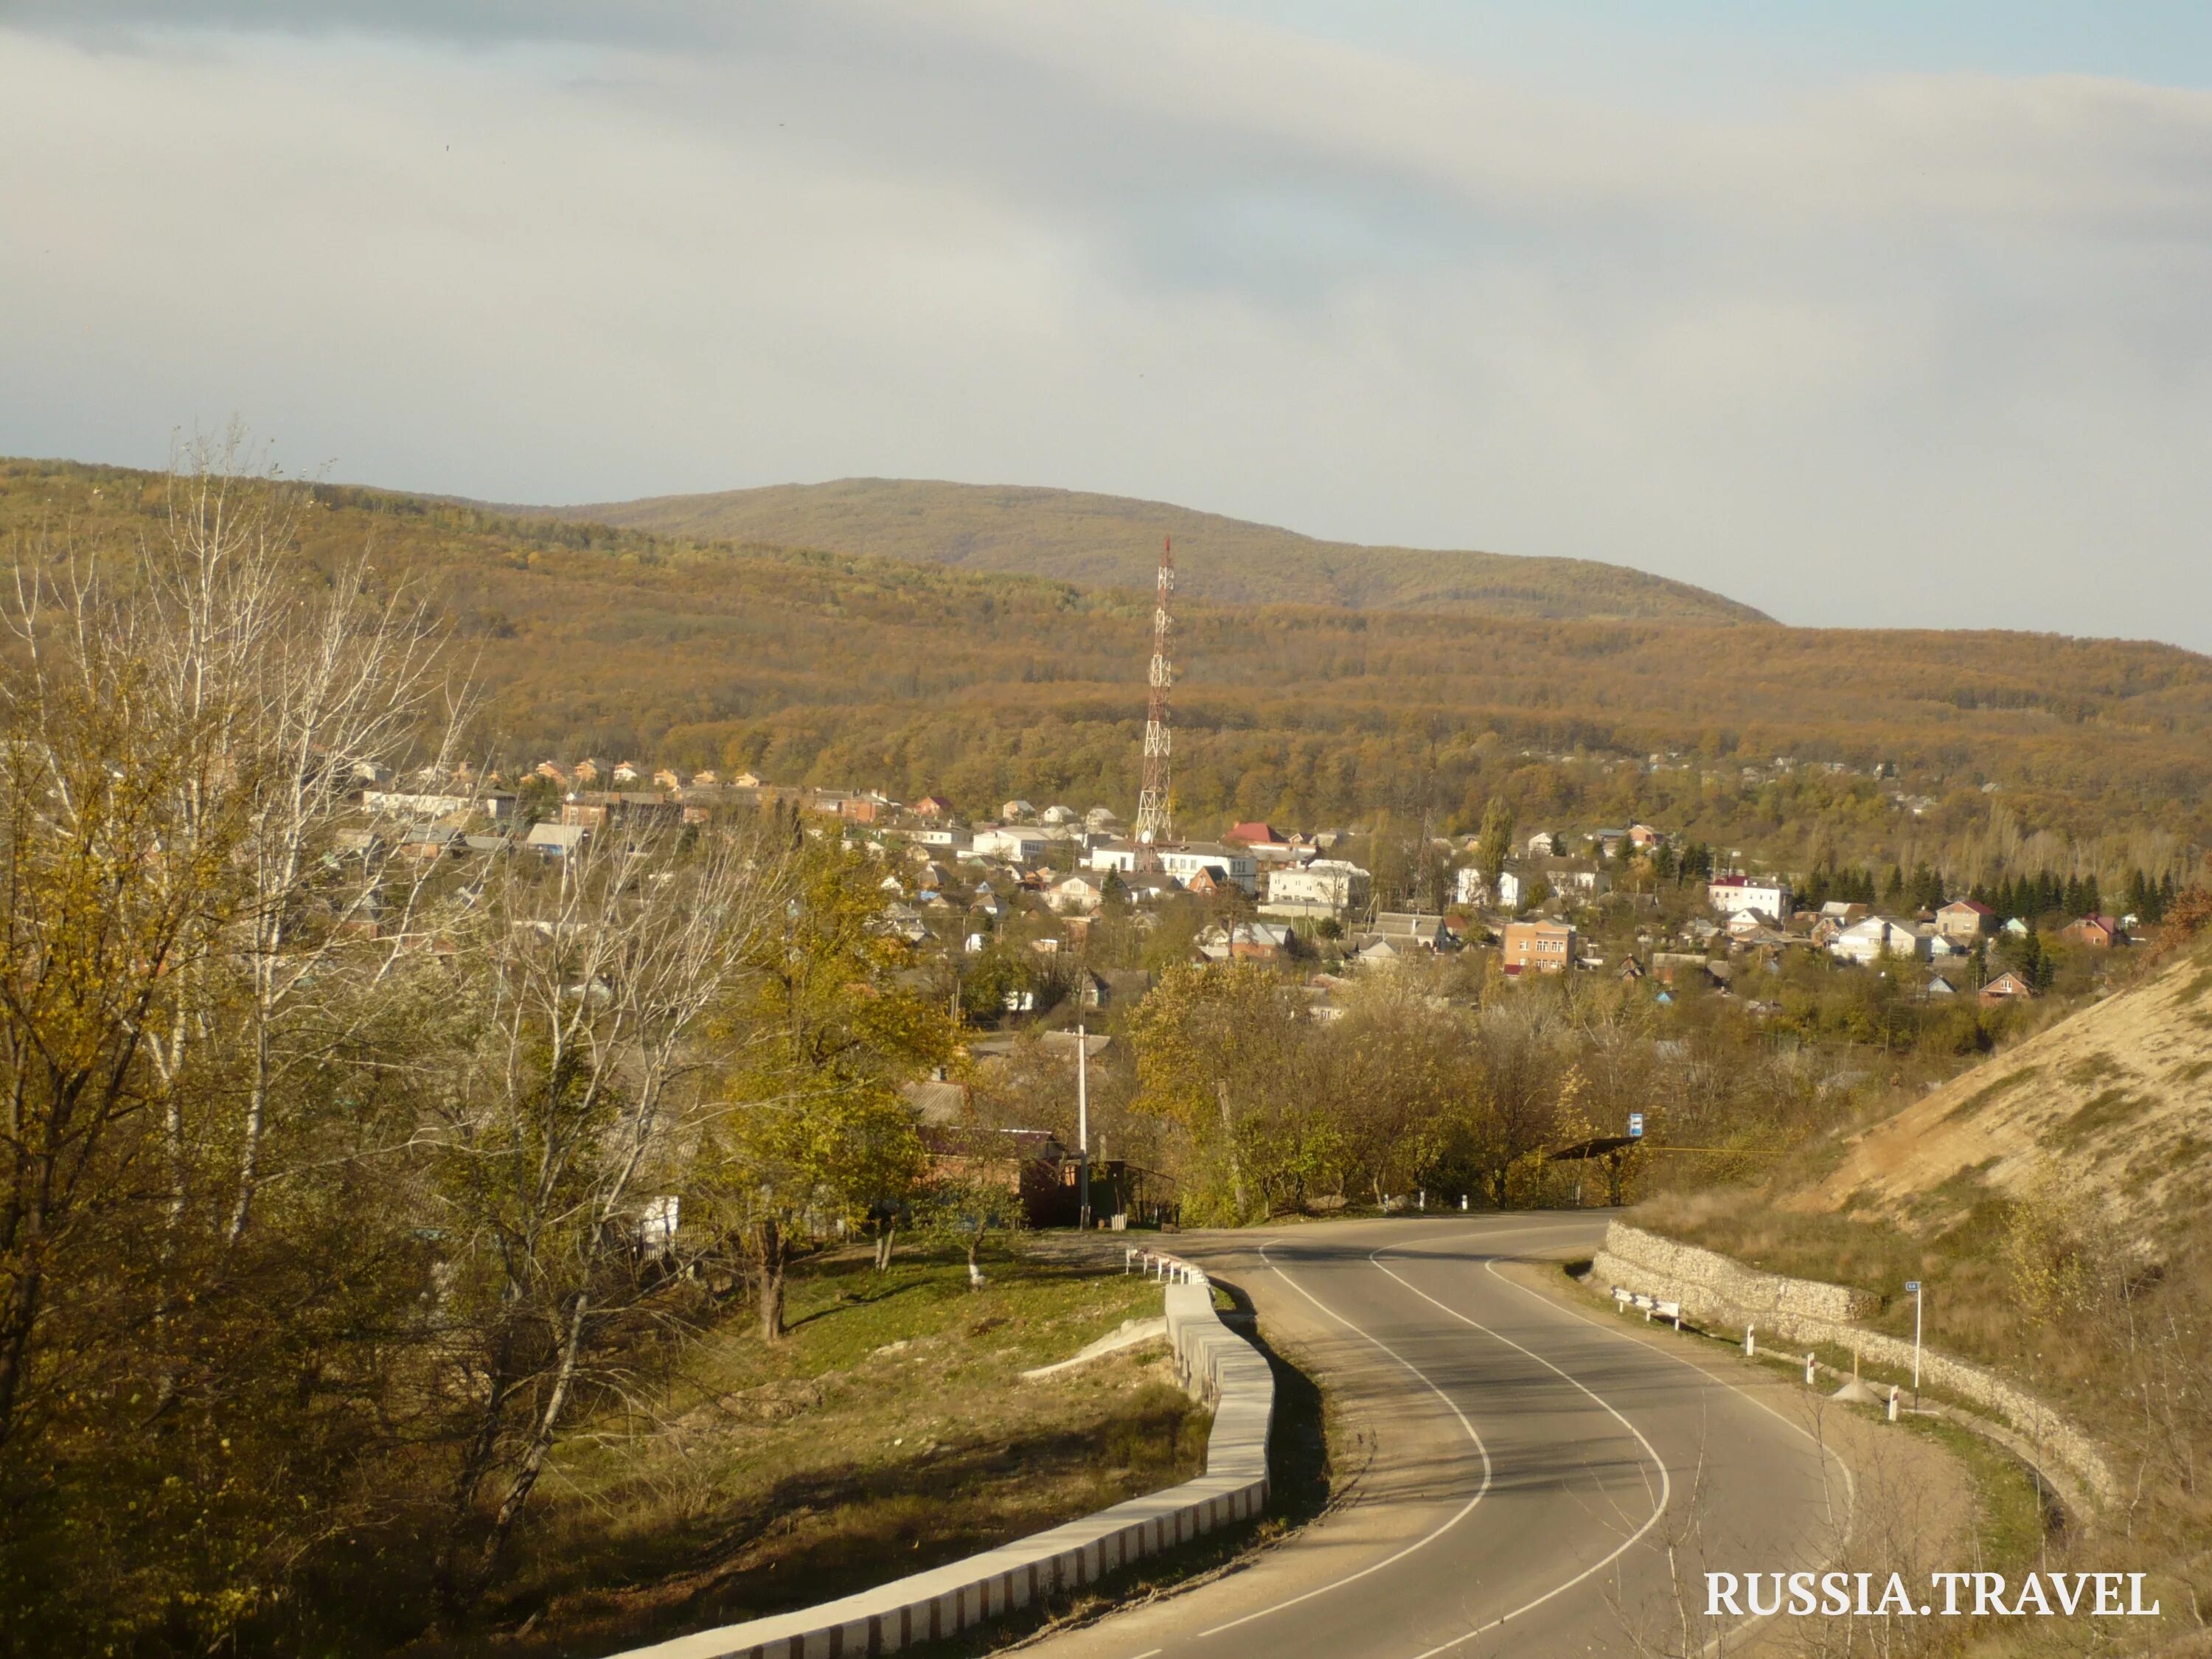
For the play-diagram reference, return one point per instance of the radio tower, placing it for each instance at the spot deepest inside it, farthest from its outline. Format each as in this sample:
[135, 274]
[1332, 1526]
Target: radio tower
[1154, 825]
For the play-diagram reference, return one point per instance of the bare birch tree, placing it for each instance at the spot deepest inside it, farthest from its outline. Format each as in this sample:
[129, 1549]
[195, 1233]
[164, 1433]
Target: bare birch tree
[582, 1048]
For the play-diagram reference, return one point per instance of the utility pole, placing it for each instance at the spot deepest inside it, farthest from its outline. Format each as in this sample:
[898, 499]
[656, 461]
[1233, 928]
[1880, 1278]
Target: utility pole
[1155, 824]
[1913, 1285]
[1083, 1129]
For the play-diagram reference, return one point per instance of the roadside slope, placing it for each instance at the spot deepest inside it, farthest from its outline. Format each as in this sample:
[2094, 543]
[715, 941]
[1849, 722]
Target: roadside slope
[2116, 1094]
[1113, 541]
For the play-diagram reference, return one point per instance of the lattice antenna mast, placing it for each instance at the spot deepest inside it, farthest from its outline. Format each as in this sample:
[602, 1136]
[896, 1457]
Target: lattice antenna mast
[1154, 823]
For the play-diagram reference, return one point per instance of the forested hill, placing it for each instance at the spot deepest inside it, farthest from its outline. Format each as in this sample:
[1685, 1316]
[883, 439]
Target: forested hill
[860, 672]
[1111, 541]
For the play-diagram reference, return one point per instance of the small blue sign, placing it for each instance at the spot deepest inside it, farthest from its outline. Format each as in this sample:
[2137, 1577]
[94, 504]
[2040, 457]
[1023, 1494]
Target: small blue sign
[1636, 1126]
[1913, 1285]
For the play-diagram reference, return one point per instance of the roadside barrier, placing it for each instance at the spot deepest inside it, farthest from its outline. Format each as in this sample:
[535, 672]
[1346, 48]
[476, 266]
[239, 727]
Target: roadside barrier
[1712, 1288]
[1214, 1364]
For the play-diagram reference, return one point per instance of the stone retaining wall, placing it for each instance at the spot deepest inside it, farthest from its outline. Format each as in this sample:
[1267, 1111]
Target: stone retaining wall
[1215, 1365]
[1715, 1290]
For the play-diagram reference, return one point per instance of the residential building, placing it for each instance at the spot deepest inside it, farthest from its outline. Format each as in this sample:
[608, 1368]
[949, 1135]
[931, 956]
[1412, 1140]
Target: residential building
[932, 807]
[1869, 941]
[1411, 929]
[626, 773]
[1015, 810]
[1114, 855]
[1580, 880]
[901, 921]
[1510, 886]
[596, 808]
[1468, 887]
[1248, 941]
[416, 804]
[2099, 933]
[1325, 887]
[1543, 947]
[1643, 837]
[1057, 814]
[1227, 863]
[2006, 988]
[1079, 894]
[557, 840]
[1017, 844]
[1964, 920]
[1729, 894]
[1541, 844]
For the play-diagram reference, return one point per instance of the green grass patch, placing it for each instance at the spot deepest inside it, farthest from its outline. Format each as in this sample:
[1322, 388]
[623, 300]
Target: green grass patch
[2104, 1112]
[2090, 1068]
[2010, 1513]
[889, 1432]
[1988, 1091]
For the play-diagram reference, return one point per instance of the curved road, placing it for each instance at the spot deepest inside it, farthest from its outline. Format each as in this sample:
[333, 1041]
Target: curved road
[1538, 1477]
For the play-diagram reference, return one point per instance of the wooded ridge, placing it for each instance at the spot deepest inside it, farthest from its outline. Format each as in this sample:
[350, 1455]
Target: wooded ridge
[856, 672]
[1113, 541]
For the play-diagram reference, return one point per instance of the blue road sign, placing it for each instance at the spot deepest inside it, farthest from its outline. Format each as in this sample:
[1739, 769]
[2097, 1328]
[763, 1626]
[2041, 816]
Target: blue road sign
[1636, 1126]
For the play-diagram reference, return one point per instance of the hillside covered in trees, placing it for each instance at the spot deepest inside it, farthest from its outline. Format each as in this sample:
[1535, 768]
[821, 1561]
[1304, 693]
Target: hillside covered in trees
[1111, 541]
[854, 671]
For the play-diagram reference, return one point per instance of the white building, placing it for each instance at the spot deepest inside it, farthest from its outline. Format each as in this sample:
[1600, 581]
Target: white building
[1017, 844]
[1077, 896]
[1729, 893]
[1184, 862]
[411, 803]
[1114, 855]
[1469, 888]
[1333, 885]
[1868, 941]
[1180, 864]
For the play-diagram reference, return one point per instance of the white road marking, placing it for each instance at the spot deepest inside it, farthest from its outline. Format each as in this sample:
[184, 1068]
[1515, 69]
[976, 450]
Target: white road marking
[1851, 1484]
[1489, 1266]
[1465, 1509]
[1666, 1484]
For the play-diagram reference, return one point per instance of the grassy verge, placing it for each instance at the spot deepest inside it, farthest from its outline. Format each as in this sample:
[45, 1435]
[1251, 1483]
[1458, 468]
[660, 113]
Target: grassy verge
[889, 1433]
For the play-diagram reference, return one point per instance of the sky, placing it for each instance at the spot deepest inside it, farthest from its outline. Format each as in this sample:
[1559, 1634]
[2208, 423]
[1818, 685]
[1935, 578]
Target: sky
[1882, 314]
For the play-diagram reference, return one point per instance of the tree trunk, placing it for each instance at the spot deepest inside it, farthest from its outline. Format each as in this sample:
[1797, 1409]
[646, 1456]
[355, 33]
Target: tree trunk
[541, 1444]
[1235, 1163]
[771, 1282]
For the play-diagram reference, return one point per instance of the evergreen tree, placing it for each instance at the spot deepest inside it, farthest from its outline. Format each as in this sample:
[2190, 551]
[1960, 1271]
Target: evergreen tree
[1893, 889]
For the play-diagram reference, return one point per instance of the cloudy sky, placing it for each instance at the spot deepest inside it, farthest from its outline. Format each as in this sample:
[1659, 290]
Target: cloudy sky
[1859, 313]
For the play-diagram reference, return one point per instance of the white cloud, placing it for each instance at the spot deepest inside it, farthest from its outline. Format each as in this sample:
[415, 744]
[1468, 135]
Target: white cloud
[1919, 350]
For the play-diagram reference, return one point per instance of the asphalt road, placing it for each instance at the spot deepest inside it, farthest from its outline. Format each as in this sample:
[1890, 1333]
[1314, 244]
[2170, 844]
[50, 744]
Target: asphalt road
[1537, 1479]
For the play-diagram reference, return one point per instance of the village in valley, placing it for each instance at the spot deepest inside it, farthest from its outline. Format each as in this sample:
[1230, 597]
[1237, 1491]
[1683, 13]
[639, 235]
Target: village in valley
[1632, 902]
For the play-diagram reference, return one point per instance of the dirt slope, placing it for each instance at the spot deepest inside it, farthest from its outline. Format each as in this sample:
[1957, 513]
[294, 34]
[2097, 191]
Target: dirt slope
[1114, 541]
[2122, 1091]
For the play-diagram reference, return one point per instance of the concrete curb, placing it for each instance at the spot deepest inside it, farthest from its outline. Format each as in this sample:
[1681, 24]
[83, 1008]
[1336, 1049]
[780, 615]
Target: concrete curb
[1215, 1365]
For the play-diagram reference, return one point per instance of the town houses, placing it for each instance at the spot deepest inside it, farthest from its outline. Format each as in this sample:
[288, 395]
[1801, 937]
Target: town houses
[1040, 876]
